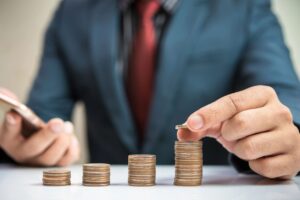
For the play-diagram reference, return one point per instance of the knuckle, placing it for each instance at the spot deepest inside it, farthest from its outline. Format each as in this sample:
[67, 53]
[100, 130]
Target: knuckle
[232, 101]
[47, 134]
[45, 161]
[60, 138]
[240, 122]
[18, 157]
[65, 162]
[226, 130]
[62, 164]
[69, 159]
[248, 149]
[266, 168]
[290, 142]
[268, 90]
[285, 113]
[63, 139]
[212, 113]
[34, 149]
[5, 144]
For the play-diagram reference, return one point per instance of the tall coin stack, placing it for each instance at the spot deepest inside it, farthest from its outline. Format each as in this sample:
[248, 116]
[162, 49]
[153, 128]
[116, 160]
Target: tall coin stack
[57, 177]
[96, 174]
[188, 163]
[141, 170]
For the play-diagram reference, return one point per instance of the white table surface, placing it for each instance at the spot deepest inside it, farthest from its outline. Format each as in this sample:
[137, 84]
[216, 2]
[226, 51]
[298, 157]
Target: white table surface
[218, 183]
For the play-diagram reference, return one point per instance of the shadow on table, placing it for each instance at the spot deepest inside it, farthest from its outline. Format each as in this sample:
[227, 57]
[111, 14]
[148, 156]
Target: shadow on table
[231, 177]
[242, 180]
[231, 181]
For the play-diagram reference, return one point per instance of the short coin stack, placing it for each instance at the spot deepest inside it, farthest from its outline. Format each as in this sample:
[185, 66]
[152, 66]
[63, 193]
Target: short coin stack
[57, 177]
[141, 170]
[188, 163]
[96, 174]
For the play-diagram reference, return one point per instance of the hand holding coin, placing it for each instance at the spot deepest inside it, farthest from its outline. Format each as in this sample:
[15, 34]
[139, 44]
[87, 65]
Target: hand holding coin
[255, 126]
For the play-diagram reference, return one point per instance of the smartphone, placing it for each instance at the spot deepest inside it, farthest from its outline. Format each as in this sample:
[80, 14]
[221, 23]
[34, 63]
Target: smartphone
[31, 123]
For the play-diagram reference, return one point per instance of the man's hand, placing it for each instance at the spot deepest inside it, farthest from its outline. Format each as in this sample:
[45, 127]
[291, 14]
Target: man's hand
[54, 144]
[255, 126]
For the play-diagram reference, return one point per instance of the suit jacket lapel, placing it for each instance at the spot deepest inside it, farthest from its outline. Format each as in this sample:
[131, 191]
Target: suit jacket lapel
[104, 46]
[173, 52]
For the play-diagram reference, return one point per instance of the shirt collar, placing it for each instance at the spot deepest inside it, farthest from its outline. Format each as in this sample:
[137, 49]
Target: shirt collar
[168, 5]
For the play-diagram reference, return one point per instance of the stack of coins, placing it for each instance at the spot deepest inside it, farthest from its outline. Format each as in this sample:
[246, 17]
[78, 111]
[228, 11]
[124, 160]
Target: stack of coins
[96, 174]
[141, 170]
[188, 163]
[58, 177]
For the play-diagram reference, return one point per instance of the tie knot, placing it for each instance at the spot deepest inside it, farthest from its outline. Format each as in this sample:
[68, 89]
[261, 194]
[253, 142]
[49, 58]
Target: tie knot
[147, 8]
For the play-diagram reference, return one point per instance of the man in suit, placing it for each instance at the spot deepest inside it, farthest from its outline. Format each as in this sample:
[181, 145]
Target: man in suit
[141, 67]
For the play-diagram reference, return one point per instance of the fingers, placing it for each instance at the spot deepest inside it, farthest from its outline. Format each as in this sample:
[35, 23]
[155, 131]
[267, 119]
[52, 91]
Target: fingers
[62, 152]
[52, 145]
[262, 145]
[56, 151]
[255, 126]
[280, 166]
[226, 107]
[71, 155]
[41, 140]
[10, 133]
[226, 144]
[249, 122]
[188, 135]
[12, 124]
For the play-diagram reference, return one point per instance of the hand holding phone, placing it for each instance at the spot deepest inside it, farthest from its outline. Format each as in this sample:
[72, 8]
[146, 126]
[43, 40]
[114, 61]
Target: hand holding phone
[29, 140]
[31, 123]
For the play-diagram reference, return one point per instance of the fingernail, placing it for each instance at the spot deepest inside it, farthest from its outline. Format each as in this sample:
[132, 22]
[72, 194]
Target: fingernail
[69, 127]
[10, 119]
[57, 127]
[195, 122]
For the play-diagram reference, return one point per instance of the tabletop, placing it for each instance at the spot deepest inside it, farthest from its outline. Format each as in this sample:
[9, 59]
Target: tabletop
[221, 182]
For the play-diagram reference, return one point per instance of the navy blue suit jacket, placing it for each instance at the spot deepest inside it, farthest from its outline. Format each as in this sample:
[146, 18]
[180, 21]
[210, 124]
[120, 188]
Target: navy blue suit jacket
[209, 49]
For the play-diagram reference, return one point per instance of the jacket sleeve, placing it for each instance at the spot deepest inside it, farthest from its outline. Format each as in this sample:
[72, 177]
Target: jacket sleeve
[51, 94]
[266, 61]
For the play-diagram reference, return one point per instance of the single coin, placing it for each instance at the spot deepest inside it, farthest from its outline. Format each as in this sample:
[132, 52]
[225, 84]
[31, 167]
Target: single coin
[180, 126]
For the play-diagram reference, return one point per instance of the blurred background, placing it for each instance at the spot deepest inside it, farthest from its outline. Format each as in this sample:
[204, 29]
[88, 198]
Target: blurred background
[22, 27]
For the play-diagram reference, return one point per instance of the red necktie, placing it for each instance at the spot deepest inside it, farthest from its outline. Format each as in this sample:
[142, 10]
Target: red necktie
[141, 70]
